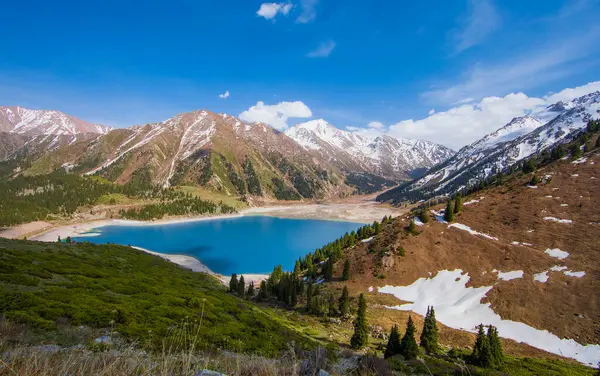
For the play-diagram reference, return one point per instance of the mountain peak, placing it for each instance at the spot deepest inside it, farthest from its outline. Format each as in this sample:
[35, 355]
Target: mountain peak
[28, 122]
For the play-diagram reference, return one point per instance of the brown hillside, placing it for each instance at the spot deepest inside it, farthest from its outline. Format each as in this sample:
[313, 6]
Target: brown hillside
[566, 306]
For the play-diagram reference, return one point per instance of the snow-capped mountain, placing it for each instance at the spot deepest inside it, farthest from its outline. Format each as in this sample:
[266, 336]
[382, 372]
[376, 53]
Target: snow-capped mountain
[521, 138]
[383, 155]
[44, 122]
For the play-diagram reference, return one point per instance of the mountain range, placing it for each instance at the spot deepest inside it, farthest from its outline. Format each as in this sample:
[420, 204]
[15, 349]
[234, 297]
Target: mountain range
[313, 160]
[520, 139]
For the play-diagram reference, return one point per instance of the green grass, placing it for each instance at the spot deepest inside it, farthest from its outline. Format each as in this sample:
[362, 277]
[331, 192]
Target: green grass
[210, 195]
[48, 286]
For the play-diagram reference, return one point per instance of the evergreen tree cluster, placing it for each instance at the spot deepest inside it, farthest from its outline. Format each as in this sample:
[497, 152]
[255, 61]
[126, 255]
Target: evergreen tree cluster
[187, 205]
[487, 351]
[404, 345]
[329, 254]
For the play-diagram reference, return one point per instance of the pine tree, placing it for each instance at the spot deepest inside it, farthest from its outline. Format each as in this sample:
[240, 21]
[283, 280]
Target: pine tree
[529, 166]
[241, 286]
[294, 297]
[496, 353]
[534, 181]
[412, 228]
[408, 346]
[328, 269]
[250, 293]
[429, 335]
[346, 273]
[361, 335]
[424, 215]
[309, 295]
[59, 240]
[263, 293]
[458, 203]
[68, 240]
[233, 283]
[344, 302]
[393, 345]
[331, 311]
[449, 213]
[298, 268]
[481, 355]
[575, 151]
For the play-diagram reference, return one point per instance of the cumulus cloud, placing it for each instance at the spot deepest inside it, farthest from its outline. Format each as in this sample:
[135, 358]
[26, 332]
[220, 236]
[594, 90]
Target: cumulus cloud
[325, 49]
[276, 115]
[309, 11]
[467, 123]
[431, 112]
[225, 95]
[376, 125]
[482, 19]
[271, 10]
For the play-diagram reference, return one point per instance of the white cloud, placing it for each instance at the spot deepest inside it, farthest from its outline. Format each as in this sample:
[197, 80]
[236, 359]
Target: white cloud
[568, 94]
[352, 128]
[309, 11]
[225, 95]
[276, 115]
[324, 50]
[376, 125]
[467, 123]
[271, 10]
[483, 18]
[431, 112]
[517, 73]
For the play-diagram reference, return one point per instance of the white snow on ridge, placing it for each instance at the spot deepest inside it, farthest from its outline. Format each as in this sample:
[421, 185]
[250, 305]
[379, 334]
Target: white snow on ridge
[557, 253]
[541, 277]
[471, 202]
[471, 231]
[554, 219]
[460, 307]
[507, 276]
[574, 274]
[367, 240]
[557, 268]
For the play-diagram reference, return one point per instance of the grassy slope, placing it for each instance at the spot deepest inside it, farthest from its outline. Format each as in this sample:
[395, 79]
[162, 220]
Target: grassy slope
[99, 286]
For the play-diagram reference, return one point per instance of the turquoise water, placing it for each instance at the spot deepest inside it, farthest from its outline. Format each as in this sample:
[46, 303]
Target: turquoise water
[251, 244]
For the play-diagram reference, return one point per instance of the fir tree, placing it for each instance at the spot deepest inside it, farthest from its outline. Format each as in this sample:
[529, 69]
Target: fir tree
[429, 336]
[412, 228]
[376, 227]
[344, 302]
[534, 180]
[331, 311]
[241, 286]
[449, 213]
[393, 345]
[458, 203]
[250, 292]
[575, 151]
[233, 283]
[294, 297]
[68, 240]
[309, 295]
[328, 269]
[496, 353]
[298, 268]
[481, 355]
[424, 215]
[346, 273]
[263, 294]
[529, 166]
[408, 346]
[361, 335]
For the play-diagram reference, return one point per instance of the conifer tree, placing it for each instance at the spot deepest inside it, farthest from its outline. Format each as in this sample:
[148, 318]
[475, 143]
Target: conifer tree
[529, 166]
[294, 297]
[250, 292]
[458, 203]
[424, 215]
[376, 227]
[233, 283]
[59, 240]
[309, 295]
[412, 228]
[331, 311]
[429, 335]
[393, 345]
[496, 353]
[361, 335]
[263, 294]
[297, 268]
[328, 269]
[241, 286]
[346, 273]
[344, 302]
[575, 151]
[449, 213]
[481, 355]
[68, 240]
[408, 346]
[534, 180]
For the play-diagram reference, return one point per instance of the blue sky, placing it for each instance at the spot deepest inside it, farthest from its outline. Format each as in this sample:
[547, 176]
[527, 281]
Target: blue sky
[350, 62]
